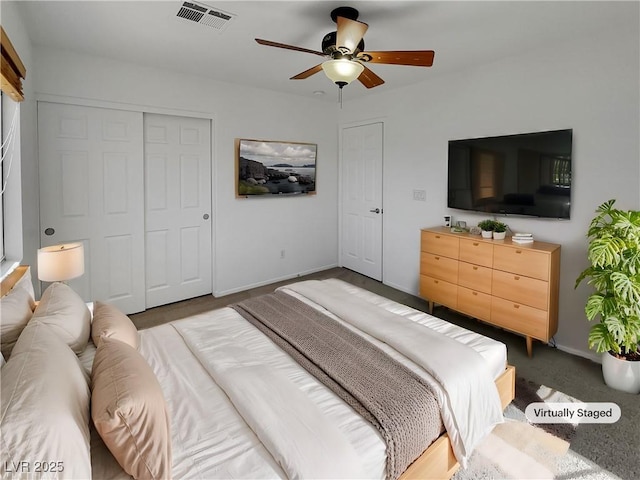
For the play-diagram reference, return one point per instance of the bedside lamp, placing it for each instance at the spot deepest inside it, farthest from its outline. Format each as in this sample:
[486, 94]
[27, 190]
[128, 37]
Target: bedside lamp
[60, 263]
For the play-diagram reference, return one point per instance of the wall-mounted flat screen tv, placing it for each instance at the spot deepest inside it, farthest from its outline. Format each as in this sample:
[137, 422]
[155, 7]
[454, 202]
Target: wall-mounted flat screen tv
[523, 174]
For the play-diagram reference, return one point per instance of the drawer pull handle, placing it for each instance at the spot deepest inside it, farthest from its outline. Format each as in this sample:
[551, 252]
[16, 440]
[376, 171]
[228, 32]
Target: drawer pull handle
[475, 268]
[437, 236]
[475, 244]
[516, 277]
[437, 258]
[518, 251]
[516, 306]
[474, 293]
[436, 281]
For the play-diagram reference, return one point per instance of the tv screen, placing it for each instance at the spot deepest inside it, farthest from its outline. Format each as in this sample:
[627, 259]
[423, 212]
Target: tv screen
[523, 174]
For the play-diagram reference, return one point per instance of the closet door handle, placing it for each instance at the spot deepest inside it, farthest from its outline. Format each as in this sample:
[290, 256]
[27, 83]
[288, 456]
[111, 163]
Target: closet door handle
[49, 231]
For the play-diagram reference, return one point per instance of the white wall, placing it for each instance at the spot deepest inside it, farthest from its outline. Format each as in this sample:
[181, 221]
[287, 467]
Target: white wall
[590, 85]
[249, 233]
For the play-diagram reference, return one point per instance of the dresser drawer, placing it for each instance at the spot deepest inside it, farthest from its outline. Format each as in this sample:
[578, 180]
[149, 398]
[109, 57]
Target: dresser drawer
[476, 251]
[474, 277]
[474, 303]
[439, 244]
[438, 266]
[519, 318]
[522, 261]
[439, 291]
[521, 289]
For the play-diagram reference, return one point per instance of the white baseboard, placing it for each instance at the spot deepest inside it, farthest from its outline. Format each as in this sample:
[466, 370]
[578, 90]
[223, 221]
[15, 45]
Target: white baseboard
[594, 357]
[222, 293]
[401, 288]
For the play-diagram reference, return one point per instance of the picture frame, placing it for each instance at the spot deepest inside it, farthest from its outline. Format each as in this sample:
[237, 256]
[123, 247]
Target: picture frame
[275, 168]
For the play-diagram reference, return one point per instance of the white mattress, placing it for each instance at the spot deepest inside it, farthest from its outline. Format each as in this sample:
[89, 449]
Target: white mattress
[210, 439]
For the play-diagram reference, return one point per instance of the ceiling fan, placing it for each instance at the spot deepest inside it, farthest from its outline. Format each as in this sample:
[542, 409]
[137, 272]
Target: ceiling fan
[346, 56]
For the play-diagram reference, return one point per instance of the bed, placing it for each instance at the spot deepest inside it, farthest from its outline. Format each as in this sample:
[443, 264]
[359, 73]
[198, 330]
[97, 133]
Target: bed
[238, 406]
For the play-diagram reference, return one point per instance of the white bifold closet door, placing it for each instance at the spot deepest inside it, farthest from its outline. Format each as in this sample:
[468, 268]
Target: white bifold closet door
[136, 190]
[91, 178]
[178, 208]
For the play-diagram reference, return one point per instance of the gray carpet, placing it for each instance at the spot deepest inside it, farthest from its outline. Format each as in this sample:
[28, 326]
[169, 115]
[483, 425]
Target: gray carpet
[615, 447]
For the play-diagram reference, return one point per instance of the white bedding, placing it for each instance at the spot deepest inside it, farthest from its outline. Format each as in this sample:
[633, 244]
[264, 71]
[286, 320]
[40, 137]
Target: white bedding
[466, 393]
[212, 439]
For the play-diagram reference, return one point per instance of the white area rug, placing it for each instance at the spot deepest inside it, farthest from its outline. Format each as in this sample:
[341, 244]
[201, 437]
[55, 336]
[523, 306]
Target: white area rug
[520, 451]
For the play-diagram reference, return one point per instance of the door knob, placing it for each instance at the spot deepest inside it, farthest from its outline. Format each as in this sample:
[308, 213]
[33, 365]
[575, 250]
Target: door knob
[377, 210]
[206, 216]
[49, 231]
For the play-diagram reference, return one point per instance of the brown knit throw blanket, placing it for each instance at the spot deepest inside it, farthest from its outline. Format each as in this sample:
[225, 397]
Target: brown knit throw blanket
[396, 401]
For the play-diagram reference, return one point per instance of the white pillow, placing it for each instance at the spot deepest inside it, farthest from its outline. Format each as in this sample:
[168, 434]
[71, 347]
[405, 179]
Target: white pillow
[129, 410]
[44, 407]
[16, 308]
[62, 309]
[25, 283]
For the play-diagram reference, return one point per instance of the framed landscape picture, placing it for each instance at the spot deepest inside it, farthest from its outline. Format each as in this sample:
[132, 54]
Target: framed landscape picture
[267, 168]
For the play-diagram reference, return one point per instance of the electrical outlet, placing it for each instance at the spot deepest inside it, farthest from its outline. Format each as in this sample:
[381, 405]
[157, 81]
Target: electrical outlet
[420, 195]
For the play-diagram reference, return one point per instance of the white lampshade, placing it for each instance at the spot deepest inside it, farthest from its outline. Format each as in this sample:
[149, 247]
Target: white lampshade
[342, 71]
[59, 263]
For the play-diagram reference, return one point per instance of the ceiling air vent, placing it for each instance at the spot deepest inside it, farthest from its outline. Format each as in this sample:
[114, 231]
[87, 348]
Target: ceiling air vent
[205, 15]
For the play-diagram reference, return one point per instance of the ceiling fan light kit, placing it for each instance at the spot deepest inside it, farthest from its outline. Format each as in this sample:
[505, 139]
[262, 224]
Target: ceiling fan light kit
[342, 71]
[345, 51]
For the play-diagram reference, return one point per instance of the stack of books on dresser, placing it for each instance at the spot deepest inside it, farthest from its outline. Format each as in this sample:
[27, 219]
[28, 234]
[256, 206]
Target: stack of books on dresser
[522, 238]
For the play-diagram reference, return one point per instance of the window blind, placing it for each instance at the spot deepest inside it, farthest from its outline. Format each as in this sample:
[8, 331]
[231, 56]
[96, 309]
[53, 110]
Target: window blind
[12, 69]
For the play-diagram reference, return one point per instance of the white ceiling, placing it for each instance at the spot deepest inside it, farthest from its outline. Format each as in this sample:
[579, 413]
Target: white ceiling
[463, 34]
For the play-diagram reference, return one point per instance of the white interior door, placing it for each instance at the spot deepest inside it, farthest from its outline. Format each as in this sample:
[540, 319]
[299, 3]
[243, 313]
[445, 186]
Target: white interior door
[361, 174]
[178, 208]
[91, 178]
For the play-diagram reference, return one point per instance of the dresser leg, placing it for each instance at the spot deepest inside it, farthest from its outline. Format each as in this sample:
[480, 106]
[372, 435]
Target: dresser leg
[430, 308]
[530, 346]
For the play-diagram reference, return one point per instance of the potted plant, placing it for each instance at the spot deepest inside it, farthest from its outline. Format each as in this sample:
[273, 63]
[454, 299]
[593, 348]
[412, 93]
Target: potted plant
[487, 228]
[614, 253]
[499, 230]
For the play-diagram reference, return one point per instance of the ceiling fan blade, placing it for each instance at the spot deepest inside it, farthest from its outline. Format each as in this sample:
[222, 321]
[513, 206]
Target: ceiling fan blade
[416, 58]
[370, 79]
[349, 33]
[307, 73]
[269, 43]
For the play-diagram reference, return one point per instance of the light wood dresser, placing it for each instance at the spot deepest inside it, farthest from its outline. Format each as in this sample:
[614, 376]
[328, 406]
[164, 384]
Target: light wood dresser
[509, 285]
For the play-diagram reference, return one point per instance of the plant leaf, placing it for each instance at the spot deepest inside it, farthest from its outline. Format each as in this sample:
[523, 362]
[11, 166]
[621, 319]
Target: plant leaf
[625, 288]
[605, 250]
[616, 328]
[606, 207]
[593, 306]
[600, 339]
